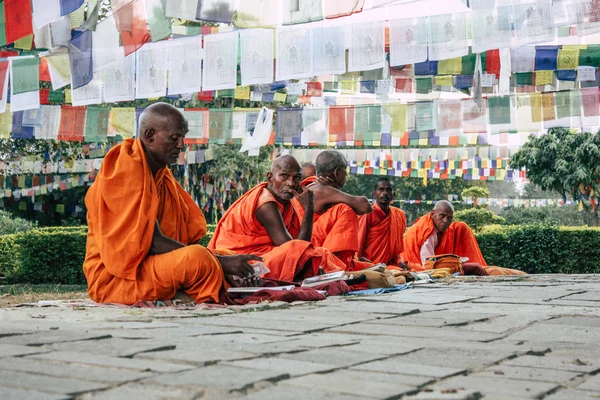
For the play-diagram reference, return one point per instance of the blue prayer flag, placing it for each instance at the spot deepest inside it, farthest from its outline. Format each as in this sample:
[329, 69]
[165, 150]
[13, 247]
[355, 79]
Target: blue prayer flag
[80, 54]
[69, 6]
[545, 59]
[566, 75]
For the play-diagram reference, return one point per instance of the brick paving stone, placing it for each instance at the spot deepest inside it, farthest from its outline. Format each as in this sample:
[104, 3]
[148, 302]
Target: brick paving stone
[57, 336]
[592, 384]
[407, 297]
[116, 347]
[497, 386]
[573, 394]
[183, 330]
[560, 333]
[107, 361]
[68, 370]
[396, 365]
[43, 383]
[9, 350]
[291, 367]
[195, 356]
[528, 374]
[592, 322]
[25, 394]
[285, 393]
[146, 391]
[269, 324]
[457, 357]
[573, 362]
[220, 376]
[337, 356]
[384, 346]
[593, 296]
[352, 383]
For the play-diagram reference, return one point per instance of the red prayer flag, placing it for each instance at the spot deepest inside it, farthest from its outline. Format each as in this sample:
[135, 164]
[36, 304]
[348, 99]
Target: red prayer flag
[6, 54]
[131, 22]
[3, 71]
[492, 62]
[18, 16]
[72, 123]
[205, 96]
[44, 96]
[44, 73]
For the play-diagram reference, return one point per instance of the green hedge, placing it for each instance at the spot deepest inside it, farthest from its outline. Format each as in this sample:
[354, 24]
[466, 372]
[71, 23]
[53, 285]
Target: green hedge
[55, 255]
[542, 249]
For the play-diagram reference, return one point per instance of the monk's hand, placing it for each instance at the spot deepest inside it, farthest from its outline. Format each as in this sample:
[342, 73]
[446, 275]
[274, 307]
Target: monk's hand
[305, 197]
[403, 266]
[238, 266]
[326, 181]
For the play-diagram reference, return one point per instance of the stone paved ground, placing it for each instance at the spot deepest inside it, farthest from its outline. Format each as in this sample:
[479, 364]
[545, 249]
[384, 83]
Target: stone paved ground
[474, 338]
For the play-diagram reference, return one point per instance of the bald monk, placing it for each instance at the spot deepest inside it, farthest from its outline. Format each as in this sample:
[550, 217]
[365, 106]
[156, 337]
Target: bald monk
[143, 227]
[380, 232]
[436, 233]
[335, 224]
[308, 170]
[266, 222]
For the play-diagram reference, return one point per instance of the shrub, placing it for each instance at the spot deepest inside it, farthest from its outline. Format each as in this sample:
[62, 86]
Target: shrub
[477, 218]
[9, 254]
[10, 224]
[542, 248]
[558, 215]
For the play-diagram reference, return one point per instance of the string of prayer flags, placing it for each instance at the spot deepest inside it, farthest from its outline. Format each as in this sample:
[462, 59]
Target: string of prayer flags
[18, 18]
[80, 57]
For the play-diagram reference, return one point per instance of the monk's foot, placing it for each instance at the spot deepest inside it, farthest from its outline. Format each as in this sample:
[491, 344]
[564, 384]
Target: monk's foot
[474, 269]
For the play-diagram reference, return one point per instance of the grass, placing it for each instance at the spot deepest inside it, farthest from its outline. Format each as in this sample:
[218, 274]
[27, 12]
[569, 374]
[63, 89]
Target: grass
[11, 295]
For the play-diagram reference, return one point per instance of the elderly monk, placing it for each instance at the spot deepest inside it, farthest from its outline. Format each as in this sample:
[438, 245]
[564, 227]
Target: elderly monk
[308, 170]
[335, 224]
[436, 233]
[143, 227]
[265, 222]
[380, 232]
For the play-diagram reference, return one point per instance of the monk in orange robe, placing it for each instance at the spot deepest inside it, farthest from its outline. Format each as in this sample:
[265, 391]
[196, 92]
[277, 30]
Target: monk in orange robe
[143, 227]
[380, 232]
[335, 224]
[265, 221]
[436, 233]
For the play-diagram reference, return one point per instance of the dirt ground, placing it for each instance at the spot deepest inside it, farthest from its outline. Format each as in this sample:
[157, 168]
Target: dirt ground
[11, 295]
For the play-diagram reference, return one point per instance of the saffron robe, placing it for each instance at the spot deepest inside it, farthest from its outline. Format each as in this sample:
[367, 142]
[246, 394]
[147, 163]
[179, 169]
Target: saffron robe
[380, 235]
[241, 232]
[458, 239]
[123, 205]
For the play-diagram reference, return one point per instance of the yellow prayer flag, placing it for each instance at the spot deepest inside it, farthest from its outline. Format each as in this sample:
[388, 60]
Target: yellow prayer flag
[60, 208]
[122, 119]
[242, 93]
[452, 66]
[548, 107]
[278, 97]
[5, 123]
[472, 139]
[568, 58]
[397, 113]
[348, 87]
[535, 100]
[61, 64]
[68, 96]
[544, 77]
[423, 142]
[443, 80]
[24, 43]
[575, 46]
[76, 17]
[21, 181]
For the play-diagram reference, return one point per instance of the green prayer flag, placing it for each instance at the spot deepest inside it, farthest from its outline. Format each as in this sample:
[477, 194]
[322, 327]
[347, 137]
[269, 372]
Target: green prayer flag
[589, 57]
[2, 27]
[158, 24]
[468, 64]
[424, 85]
[367, 123]
[25, 75]
[219, 126]
[96, 124]
[562, 101]
[372, 75]
[499, 110]
[224, 93]
[524, 78]
[56, 96]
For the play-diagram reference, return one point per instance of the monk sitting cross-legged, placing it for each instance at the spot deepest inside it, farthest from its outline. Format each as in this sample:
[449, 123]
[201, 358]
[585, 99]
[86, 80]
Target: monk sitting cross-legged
[380, 232]
[265, 222]
[436, 233]
[143, 227]
[336, 213]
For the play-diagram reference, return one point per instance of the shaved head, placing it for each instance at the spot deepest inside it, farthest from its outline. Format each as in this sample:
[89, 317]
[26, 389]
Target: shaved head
[308, 169]
[162, 129]
[284, 178]
[332, 164]
[442, 215]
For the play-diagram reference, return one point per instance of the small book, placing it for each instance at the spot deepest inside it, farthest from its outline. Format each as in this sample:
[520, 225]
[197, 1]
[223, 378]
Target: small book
[322, 279]
[253, 289]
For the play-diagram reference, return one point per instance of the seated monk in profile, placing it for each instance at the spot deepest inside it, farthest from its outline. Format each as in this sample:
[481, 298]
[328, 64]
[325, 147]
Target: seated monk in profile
[143, 227]
[265, 222]
[380, 232]
[308, 170]
[335, 224]
[436, 233]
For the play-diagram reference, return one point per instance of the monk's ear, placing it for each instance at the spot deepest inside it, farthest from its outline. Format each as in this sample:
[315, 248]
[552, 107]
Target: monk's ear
[269, 177]
[149, 134]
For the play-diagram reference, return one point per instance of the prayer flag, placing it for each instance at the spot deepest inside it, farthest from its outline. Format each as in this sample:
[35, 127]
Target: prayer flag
[499, 110]
[72, 123]
[590, 57]
[122, 121]
[25, 74]
[2, 27]
[452, 66]
[568, 58]
[96, 124]
[546, 59]
[492, 62]
[215, 10]
[159, 24]
[289, 125]
[524, 78]
[69, 6]
[17, 15]
[131, 22]
[341, 8]
[341, 123]
[424, 85]
[544, 77]
[300, 12]
[219, 128]
[3, 71]
[80, 56]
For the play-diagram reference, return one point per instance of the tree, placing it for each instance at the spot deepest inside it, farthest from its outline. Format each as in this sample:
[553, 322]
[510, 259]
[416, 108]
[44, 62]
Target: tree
[567, 163]
[475, 193]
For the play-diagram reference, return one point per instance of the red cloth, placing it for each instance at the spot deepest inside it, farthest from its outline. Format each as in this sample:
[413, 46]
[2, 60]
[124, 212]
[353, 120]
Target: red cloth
[3, 72]
[131, 22]
[17, 15]
[72, 123]
[380, 235]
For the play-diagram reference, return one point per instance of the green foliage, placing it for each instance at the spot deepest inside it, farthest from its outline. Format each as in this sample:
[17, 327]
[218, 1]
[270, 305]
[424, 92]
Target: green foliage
[532, 191]
[557, 215]
[475, 193]
[10, 224]
[542, 249]
[562, 160]
[477, 218]
[9, 254]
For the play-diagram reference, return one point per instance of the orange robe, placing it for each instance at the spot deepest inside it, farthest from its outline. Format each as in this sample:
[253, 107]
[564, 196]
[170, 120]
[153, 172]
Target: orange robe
[458, 239]
[123, 205]
[336, 230]
[241, 232]
[380, 235]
